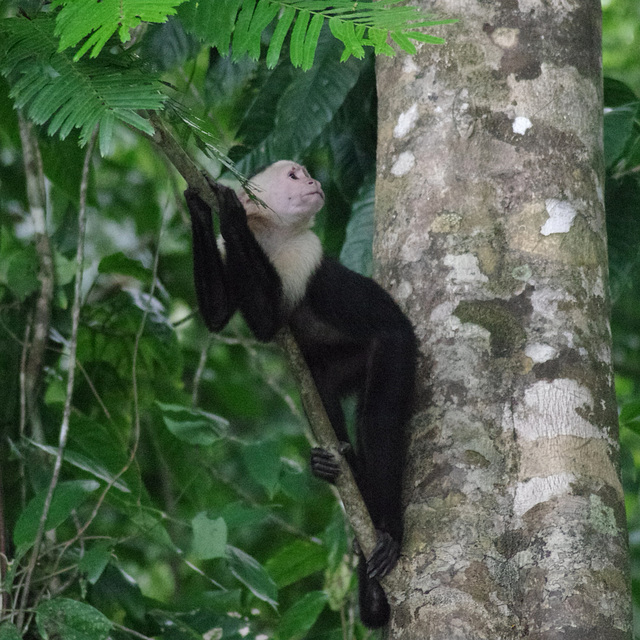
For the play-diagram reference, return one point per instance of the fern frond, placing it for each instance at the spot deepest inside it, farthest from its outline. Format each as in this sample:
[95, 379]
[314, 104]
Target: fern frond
[50, 87]
[98, 21]
[356, 24]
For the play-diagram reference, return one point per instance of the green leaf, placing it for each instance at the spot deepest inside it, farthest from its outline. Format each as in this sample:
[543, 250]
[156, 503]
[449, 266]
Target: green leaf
[209, 537]
[65, 619]
[100, 20]
[357, 250]
[617, 93]
[296, 46]
[22, 272]
[95, 560]
[123, 265]
[618, 129]
[296, 561]
[192, 425]
[262, 461]
[403, 42]
[295, 623]
[241, 42]
[311, 41]
[253, 575]
[9, 631]
[265, 12]
[277, 39]
[86, 463]
[211, 22]
[299, 110]
[66, 497]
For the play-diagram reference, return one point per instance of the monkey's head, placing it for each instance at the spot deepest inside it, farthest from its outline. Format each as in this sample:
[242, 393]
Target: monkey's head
[292, 196]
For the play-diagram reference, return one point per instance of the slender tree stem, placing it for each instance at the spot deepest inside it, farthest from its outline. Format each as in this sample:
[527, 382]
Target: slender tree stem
[64, 428]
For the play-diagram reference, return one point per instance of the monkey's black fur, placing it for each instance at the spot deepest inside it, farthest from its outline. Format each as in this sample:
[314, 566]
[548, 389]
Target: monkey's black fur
[355, 340]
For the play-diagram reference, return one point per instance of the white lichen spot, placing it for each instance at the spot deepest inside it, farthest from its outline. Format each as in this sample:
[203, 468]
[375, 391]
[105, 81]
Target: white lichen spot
[555, 408]
[464, 268]
[561, 216]
[522, 272]
[244, 631]
[602, 517]
[540, 352]
[505, 38]
[406, 121]
[521, 124]
[537, 490]
[404, 290]
[405, 162]
[409, 65]
[414, 247]
[213, 634]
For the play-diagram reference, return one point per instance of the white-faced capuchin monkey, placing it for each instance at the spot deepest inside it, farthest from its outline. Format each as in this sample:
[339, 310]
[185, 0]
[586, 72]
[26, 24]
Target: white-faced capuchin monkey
[352, 334]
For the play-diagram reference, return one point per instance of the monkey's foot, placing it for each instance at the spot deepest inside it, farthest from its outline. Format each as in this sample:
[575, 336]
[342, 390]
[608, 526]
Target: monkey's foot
[324, 465]
[384, 557]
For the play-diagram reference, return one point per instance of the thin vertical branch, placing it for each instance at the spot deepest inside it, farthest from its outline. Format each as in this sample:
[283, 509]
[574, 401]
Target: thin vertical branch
[36, 197]
[200, 370]
[64, 428]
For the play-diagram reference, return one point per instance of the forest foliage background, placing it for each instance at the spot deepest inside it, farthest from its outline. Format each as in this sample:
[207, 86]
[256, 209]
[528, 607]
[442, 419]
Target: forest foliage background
[185, 507]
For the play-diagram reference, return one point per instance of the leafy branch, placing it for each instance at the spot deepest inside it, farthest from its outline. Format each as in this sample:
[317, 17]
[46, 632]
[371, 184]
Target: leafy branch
[239, 24]
[50, 87]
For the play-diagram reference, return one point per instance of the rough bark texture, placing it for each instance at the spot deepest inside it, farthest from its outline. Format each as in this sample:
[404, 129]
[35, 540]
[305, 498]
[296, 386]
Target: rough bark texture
[490, 233]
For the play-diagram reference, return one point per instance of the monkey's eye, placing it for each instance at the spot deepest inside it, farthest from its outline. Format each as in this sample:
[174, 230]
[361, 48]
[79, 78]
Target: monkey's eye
[292, 175]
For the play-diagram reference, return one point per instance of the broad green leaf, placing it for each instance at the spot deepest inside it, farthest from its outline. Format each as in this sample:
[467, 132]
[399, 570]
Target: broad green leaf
[300, 108]
[617, 93]
[22, 272]
[262, 461]
[95, 560]
[357, 250]
[65, 619]
[151, 526]
[66, 497]
[240, 514]
[209, 537]
[123, 265]
[86, 463]
[295, 561]
[192, 425]
[100, 20]
[297, 620]
[618, 129]
[253, 575]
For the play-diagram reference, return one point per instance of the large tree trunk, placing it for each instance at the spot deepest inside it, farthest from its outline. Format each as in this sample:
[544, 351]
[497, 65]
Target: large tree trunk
[490, 233]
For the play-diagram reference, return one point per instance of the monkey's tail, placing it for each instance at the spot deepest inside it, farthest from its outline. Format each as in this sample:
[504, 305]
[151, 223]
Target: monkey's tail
[374, 608]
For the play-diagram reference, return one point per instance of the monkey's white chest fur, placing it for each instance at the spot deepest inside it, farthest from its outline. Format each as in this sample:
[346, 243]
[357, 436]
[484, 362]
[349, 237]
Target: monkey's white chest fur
[295, 259]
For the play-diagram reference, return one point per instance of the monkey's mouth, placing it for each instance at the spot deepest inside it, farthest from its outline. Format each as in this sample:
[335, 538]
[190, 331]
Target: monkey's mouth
[316, 193]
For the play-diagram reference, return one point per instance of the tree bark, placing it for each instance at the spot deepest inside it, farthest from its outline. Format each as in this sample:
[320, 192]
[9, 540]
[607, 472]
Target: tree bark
[490, 233]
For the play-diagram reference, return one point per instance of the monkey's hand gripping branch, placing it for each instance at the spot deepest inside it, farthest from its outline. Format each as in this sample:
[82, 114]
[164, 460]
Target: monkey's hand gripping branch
[354, 505]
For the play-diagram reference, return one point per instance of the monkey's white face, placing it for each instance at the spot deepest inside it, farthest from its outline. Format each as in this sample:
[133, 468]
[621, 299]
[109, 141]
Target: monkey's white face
[292, 196]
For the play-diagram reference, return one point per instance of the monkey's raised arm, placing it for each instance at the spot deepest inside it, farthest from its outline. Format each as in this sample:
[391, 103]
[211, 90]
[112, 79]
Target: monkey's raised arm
[246, 279]
[209, 274]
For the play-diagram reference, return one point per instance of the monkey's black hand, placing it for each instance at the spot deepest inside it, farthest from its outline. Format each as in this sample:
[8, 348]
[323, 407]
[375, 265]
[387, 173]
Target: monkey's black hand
[230, 209]
[384, 557]
[324, 465]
